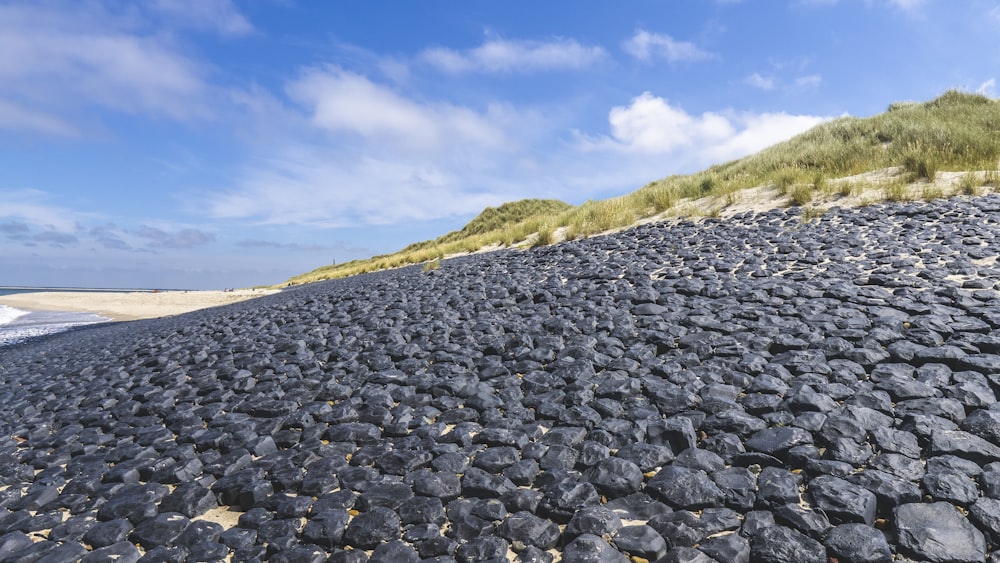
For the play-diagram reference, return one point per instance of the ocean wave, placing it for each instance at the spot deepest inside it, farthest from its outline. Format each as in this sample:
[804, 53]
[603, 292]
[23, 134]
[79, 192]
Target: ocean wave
[9, 314]
[24, 325]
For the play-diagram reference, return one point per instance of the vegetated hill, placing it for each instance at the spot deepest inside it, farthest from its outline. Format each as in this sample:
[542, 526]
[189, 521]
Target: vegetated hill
[914, 141]
[493, 218]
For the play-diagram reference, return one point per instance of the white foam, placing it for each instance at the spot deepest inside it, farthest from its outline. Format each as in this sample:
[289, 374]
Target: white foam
[9, 314]
[23, 324]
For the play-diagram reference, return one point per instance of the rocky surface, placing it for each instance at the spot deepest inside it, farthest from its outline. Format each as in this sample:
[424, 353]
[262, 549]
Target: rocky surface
[759, 389]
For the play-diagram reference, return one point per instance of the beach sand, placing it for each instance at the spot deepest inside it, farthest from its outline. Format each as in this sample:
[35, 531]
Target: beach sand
[129, 306]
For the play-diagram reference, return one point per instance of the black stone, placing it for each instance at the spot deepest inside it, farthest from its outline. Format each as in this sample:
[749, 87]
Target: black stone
[727, 547]
[483, 549]
[594, 520]
[684, 488]
[369, 529]
[160, 530]
[858, 543]
[784, 545]
[589, 548]
[938, 532]
[121, 552]
[843, 502]
[190, 499]
[108, 533]
[640, 541]
[393, 552]
[615, 477]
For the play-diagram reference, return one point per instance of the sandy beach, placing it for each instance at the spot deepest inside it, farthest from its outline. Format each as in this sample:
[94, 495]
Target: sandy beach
[129, 306]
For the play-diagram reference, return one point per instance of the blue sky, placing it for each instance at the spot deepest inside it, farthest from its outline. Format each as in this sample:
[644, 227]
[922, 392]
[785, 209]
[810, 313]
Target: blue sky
[226, 143]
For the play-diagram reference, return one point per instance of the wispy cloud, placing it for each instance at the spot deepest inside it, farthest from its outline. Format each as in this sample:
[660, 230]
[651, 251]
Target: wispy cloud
[220, 16]
[109, 237]
[55, 238]
[294, 246]
[57, 59]
[906, 5]
[988, 88]
[646, 46]
[14, 229]
[17, 117]
[650, 125]
[759, 81]
[307, 186]
[183, 238]
[504, 55]
[809, 81]
[37, 208]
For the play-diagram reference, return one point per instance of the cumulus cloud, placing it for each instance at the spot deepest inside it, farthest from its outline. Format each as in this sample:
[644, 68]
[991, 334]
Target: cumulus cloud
[502, 56]
[651, 125]
[340, 101]
[759, 81]
[645, 46]
[220, 16]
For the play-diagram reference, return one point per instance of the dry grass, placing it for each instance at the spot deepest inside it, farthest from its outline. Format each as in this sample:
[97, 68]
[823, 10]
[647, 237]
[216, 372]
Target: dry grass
[954, 132]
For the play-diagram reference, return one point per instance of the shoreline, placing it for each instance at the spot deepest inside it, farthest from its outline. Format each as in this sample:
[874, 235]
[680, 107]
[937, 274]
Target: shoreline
[129, 305]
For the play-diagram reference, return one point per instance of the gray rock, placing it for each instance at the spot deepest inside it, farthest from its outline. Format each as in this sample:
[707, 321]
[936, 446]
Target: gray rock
[727, 547]
[684, 488]
[937, 532]
[843, 502]
[526, 529]
[369, 529]
[963, 444]
[858, 543]
[615, 477]
[784, 545]
[588, 548]
[640, 541]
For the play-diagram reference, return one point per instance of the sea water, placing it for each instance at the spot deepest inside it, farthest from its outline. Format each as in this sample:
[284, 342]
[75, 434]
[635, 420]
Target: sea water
[17, 325]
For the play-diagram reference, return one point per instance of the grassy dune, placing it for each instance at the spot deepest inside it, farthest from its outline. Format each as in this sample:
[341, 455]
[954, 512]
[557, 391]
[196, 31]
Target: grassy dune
[954, 132]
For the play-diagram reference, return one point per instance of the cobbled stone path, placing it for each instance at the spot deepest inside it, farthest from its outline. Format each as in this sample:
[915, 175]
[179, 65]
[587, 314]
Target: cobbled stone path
[755, 389]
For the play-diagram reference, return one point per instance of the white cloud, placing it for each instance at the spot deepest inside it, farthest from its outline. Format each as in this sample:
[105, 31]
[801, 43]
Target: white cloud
[651, 125]
[220, 16]
[644, 46]
[19, 118]
[810, 81]
[758, 81]
[36, 208]
[58, 59]
[342, 101]
[988, 88]
[906, 5]
[502, 55]
[368, 154]
[308, 186]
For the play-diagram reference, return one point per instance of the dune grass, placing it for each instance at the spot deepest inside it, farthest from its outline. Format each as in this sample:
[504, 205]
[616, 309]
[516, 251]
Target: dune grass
[955, 132]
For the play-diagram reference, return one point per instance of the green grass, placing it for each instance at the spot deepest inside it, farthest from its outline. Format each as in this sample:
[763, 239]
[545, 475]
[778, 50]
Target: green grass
[954, 132]
[801, 194]
[895, 191]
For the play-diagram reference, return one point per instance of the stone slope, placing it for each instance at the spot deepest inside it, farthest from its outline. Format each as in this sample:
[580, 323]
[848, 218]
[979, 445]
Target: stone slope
[754, 389]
